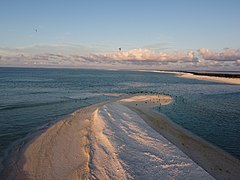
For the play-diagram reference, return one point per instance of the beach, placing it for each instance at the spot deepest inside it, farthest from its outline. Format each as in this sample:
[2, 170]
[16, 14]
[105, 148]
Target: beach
[120, 90]
[114, 140]
[204, 78]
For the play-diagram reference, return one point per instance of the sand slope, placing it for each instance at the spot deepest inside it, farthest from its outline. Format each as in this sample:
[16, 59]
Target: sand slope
[218, 163]
[62, 152]
[144, 153]
[107, 141]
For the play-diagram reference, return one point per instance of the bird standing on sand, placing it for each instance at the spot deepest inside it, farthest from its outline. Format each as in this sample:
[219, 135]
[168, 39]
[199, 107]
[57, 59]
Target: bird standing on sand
[120, 49]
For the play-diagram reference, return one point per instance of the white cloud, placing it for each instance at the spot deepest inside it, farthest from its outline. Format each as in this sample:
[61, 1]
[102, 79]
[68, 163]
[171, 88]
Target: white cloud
[142, 55]
[227, 54]
[225, 59]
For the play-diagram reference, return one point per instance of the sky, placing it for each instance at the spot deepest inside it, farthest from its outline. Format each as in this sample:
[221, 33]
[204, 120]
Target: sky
[171, 34]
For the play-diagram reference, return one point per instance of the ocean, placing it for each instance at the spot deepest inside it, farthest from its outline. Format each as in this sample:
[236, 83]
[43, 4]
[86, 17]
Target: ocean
[31, 99]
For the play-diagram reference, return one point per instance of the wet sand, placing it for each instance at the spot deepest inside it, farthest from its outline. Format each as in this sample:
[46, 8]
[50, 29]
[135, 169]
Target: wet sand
[113, 141]
[215, 161]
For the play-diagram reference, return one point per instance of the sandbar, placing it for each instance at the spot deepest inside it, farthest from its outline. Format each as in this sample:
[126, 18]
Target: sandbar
[122, 139]
[215, 161]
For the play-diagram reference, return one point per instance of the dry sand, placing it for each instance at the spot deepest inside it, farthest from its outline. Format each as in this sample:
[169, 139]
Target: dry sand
[205, 78]
[113, 141]
[142, 152]
[218, 163]
[62, 152]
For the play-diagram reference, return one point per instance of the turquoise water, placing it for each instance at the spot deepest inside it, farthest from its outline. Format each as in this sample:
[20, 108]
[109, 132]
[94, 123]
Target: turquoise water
[32, 99]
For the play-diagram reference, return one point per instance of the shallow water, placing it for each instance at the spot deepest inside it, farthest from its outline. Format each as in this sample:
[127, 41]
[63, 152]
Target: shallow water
[32, 99]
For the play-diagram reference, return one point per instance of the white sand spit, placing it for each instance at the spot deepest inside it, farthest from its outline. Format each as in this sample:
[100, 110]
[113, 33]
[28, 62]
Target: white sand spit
[152, 99]
[114, 141]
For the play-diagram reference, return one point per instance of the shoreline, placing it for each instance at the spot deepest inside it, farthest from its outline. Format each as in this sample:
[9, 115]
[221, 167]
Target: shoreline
[62, 132]
[234, 81]
[189, 75]
[202, 152]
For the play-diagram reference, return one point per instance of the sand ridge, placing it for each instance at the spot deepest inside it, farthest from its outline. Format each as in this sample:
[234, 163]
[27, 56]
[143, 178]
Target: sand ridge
[202, 152]
[110, 141]
[62, 151]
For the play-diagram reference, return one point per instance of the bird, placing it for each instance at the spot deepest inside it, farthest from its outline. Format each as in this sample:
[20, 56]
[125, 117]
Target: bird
[119, 49]
[36, 30]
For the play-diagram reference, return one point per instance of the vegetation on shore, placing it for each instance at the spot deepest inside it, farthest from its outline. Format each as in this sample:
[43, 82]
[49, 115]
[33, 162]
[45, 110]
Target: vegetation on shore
[209, 74]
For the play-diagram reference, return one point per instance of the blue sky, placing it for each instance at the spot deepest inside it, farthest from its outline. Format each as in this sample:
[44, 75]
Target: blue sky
[185, 24]
[171, 25]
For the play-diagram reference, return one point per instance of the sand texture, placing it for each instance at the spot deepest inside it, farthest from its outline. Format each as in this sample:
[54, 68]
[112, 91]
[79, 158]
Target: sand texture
[62, 152]
[114, 141]
[218, 163]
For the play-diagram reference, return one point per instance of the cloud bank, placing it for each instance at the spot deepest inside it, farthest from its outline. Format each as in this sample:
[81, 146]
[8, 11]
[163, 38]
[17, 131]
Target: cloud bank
[142, 55]
[202, 59]
[227, 54]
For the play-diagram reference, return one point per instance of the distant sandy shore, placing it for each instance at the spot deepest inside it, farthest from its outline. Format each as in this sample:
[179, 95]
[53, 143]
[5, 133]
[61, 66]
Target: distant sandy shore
[205, 78]
[113, 141]
[210, 78]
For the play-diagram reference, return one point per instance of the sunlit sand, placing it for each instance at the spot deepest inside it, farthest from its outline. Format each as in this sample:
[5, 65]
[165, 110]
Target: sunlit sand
[110, 141]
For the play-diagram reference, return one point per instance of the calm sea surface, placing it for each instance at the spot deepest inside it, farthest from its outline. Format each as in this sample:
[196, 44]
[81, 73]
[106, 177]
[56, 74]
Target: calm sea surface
[32, 99]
